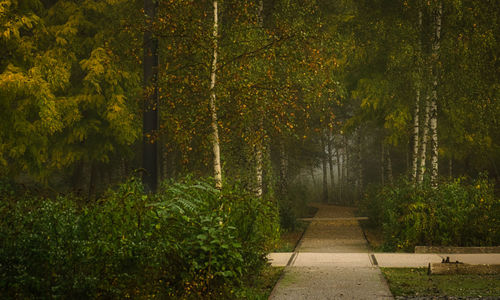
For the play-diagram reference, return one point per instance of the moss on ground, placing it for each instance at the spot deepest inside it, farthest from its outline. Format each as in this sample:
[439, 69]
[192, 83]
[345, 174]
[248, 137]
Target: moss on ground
[261, 286]
[416, 282]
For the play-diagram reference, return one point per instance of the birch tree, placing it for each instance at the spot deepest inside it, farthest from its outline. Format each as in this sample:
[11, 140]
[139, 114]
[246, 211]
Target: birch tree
[423, 142]
[416, 129]
[213, 108]
[416, 114]
[339, 174]
[259, 147]
[436, 44]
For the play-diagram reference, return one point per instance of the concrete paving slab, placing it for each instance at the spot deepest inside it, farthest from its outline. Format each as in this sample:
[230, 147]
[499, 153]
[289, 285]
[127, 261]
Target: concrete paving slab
[336, 237]
[456, 250]
[332, 260]
[406, 260]
[339, 245]
[279, 259]
[474, 259]
[331, 283]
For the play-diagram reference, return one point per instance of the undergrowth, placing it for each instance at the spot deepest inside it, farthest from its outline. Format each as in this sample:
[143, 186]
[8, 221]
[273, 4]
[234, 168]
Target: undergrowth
[457, 213]
[188, 241]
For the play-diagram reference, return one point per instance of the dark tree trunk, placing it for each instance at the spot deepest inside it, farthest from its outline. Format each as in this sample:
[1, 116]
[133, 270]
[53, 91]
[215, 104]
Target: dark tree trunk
[382, 164]
[150, 114]
[325, 171]
[283, 185]
[330, 163]
[94, 173]
[360, 166]
[77, 178]
[389, 166]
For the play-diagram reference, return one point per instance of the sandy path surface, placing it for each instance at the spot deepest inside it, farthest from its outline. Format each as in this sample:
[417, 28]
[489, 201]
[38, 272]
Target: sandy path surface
[332, 262]
[342, 236]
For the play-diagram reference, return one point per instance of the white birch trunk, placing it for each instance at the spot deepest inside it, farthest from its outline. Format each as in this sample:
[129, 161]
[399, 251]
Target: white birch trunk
[258, 165]
[339, 173]
[416, 118]
[423, 144]
[416, 126]
[434, 139]
[260, 142]
[213, 108]
[261, 13]
[433, 113]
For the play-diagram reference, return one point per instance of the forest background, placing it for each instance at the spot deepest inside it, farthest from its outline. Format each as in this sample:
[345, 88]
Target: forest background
[390, 105]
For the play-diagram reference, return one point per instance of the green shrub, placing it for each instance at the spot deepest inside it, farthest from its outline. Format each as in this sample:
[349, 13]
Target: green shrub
[188, 241]
[293, 205]
[456, 213]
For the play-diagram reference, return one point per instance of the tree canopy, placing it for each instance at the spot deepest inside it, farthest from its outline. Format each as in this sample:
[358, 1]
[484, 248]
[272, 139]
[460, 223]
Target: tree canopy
[289, 75]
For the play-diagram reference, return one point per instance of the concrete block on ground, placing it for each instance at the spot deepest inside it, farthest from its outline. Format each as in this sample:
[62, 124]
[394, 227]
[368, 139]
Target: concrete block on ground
[332, 260]
[406, 260]
[474, 259]
[445, 249]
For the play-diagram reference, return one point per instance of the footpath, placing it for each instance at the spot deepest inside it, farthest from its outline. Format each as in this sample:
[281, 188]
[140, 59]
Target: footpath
[334, 261]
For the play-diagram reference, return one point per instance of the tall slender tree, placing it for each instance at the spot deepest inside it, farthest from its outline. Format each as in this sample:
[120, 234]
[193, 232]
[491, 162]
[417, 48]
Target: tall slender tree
[150, 114]
[331, 154]
[418, 88]
[213, 107]
[339, 174]
[324, 166]
[423, 142]
[259, 147]
[436, 45]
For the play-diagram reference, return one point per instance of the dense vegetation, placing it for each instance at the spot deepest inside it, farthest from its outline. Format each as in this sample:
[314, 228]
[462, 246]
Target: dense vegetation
[279, 102]
[457, 213]
[189, 240]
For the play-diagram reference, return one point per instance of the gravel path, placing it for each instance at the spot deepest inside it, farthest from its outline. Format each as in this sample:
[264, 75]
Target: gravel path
[332, 262]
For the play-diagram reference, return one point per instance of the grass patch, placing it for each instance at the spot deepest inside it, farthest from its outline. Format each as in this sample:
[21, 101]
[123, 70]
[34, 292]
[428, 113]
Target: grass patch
[415, 282]
[374, 236]
[290, 238]
[261, 285]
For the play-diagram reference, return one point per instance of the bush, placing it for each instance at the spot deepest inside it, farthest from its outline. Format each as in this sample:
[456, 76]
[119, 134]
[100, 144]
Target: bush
[457, 213]
[188, 241]
[293, 205]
